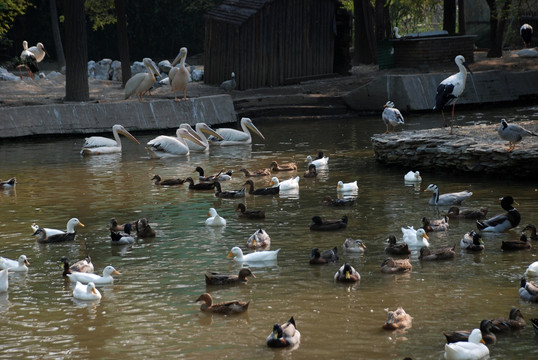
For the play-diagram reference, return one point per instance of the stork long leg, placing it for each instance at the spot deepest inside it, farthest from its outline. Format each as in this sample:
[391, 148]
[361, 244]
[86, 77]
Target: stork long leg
[452, 119]
[444, 121]
[387, 125]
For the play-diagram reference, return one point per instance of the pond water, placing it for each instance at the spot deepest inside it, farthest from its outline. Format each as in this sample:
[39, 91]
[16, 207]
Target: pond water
[150, 312]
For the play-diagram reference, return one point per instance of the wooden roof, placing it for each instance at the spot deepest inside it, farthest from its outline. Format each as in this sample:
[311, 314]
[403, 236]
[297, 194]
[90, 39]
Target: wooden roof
[236, 12]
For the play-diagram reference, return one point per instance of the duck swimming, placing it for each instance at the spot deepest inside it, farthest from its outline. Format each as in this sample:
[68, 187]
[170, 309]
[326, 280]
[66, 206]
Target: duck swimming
[226, 308]
[311, 172]
[347, 187]
[268, 255]
[167, 182]
[502, 222]
[325, 257]
[473, 348]
[249, 214]
[256, 173]
[259, 240]
[353, 245]
[122, 237]
[284, 335]
[392, 266]
[347, 273]
[513, 245]
[455, 198]
[528, 290]
[86, 292]
[261, 191]
[395, 248]
[19, 265]
[317, 162]
[229, 194]
[141, 226]
[84, 265]
[47, 235]
[397, 319]
[415, 238]
[285, 185]
[472, 241]
[471, 214]
[514, 322]
[8, 183]
[327, 200]
[532, 270]
[96, 279]
[413, 176]
[4, 281]
[463, 335]
[228, 279]
[437, 254]
[274, 166]
[200, 185]
[435, 225]
[214, 219]
[530, 231]
[328, 225]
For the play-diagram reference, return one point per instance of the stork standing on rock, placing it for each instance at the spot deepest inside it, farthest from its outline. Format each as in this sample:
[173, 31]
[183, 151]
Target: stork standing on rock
[526, 34]
[32, 56]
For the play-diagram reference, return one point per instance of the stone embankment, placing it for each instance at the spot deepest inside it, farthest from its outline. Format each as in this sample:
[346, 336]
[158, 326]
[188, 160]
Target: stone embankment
[473, 149]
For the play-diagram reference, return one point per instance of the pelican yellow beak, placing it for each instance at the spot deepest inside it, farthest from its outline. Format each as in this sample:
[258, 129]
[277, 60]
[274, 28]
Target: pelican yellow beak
[194, 137]
[207, 130]
[128, 136]
[178, 58]
[230, 254]
[255, 130]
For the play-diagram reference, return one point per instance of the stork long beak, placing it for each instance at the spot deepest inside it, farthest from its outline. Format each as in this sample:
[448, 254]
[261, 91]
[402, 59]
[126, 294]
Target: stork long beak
[472, 80]
[255, 130]
[128, 136]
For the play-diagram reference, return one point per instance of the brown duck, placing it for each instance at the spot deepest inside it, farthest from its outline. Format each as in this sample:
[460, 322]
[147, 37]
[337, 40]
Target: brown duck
[228, 279]
[167, 182]
[227, 307]
[274, 166]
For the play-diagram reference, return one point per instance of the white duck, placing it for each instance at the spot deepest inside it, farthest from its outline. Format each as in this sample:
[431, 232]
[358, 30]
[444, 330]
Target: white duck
[236, 137]
[200, 129]
[47, 235]
[179, 76]
[412, 176]
[237, 253]
[140, 83]
[415, 238]
[96, 279]
[164, 146]
[347, 187]
[324, 161]
[214, 219]
[455, 198]
[99, 145]
[532, 270]
[86, 292]
[20, 265]
[285, 185]
[470, 350]
[4, 283]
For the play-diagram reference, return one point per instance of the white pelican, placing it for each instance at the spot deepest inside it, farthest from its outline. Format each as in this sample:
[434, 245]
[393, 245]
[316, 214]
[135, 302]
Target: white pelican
[179, 76]
[86, 292]
[513, 134]
[20, 265]
[451, 88]
[96, 279]
[391, 116]
[318, 162]
[168, 146]
[140, 83]
[4, 283]
[201, 129]
[290, 184]
[98, 145]
[47, 235]
[236, 137]
[526, 34]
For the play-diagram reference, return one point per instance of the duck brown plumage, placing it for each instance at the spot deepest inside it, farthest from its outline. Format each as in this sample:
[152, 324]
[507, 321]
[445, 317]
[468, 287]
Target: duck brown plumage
[329, 201]
[227, 307]
[397, 320]
[514, 245]
[435, 225]
[514, 322]
[472, 241]
[470, 214]
[259, 240]
[391, 266]
[85, 265]
[437, 254]
[256, 173]
[141, 226]
[261, 191]
[329, 224]
[200, 186]
[230, 194]
[274, 166]
[395, 248]
[325, 257]
[311, 172]
[486, 327]
[228, 279]
[530, 230]
[249, 214]
[167, 182]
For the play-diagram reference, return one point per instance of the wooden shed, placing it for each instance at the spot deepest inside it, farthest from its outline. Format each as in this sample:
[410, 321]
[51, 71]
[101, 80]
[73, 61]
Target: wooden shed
[269, 42]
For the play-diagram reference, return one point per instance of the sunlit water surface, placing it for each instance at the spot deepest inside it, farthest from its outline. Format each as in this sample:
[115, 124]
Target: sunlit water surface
[149, 312]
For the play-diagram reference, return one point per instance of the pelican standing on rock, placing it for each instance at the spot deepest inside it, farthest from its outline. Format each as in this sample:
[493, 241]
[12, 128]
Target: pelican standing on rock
[164, 146]
[179, 76]
[236, 137]
[200, 129]
[391, 116]
[451, 88]
[513, 134]
[140, 83]
[98, 145]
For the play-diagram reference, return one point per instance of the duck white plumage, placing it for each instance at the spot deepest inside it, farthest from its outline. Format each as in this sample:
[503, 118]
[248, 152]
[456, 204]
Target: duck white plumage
[324, 161]
[284, 335]
[47, 235]
[99, 145]
[412, 176]
[415, 238]
[391, 116]
[122, 237]
[201, 129]
[96, 279]
[19, 265]
[214, 219]
[472, 241]
[4, 282]
[164, 146]
[347, 187]
[502, 222]
[86, 292]
[10, 183]
[237, 137]
[473, 349]
[140, 83]
[260, 239]
[179, 76]
[455, 198]
[285, 185]
[347, 273]
[259, 256]
[532, 270]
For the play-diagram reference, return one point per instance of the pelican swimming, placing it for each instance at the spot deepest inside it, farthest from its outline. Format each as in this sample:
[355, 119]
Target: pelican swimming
[201, 129]
[168, 146]
[98, 145]
[179, 76]
[236, 137]
[140, 83]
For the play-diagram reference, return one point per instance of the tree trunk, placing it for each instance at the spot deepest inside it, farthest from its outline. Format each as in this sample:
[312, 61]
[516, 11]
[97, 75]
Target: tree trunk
[461, 17]
[364, 32]
[123, 41]
[380, 31]
[76, 52]
[56, 35]
[497, 26]
[449, 16]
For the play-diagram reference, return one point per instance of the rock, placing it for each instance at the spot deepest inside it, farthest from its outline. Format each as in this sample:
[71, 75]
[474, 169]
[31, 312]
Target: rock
[138, 67]
[102, 68]
[91, 69]
[115, 71]
[197, 75]
[7, 76]
[164, 66]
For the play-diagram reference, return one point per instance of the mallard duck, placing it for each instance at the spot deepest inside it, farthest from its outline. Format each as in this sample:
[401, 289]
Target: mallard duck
[167, 182]
[471, 349]
[47, 235]
[284, 335]
[514, 322]
[412, 176]
[8, 183]
[274, 166]
[86, 292]
[391, 116]
[513, 134]
[255, 173]
[200, 186]
[397, 319]
[84, 265]
[347, 187]
[435, 225]
[317, 162]
[268, 255]
[534, 323]
[472, 241]
[513, 245]
[415, 238]
[285, 185]
[329, 224]
[228, 279]
[528, 290]
[463, 335]
[322, 258]
[261, 191]
[311, 172]
[259, 240]
[532, 270]
[502, 222]
[455, 198]
[347, 273]
[395, 248]
[214, 219]
[141, 226]
[227, 307]
[472, 214]
[4, 282]
[19, 265]
[122, 237]
[96, 279]
[445, 253]
[392, 266]
[202, 177]
[530, 230]
[353, 245]
[229, 194]
[249, 214]
[329, 201]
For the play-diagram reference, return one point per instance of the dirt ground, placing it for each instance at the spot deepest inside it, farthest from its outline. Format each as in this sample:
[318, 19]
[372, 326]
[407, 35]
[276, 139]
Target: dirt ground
[51, 89]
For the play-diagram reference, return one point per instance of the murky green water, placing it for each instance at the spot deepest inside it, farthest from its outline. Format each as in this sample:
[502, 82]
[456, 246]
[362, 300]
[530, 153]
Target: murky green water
[149, 312]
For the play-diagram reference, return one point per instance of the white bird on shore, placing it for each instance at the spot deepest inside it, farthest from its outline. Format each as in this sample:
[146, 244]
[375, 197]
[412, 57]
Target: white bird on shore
[237, 137]
[200, 129]
[229, 85]
[391, 116]
[164, 146]
[179, 76]
[526, 34]
[30, 57]
[513, 134]
[140, 83]
[99, 145]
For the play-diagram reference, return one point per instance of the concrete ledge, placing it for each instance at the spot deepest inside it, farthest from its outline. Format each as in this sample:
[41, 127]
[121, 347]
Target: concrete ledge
[88, 118]
[417, 92]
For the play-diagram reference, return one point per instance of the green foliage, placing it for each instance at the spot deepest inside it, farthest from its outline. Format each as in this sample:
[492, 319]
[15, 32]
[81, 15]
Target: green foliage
[416, 15]
[100, 12]
[9, 9]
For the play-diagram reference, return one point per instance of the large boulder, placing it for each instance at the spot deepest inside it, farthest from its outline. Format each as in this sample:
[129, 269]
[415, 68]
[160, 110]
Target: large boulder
[102, 68]
[115, 71]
